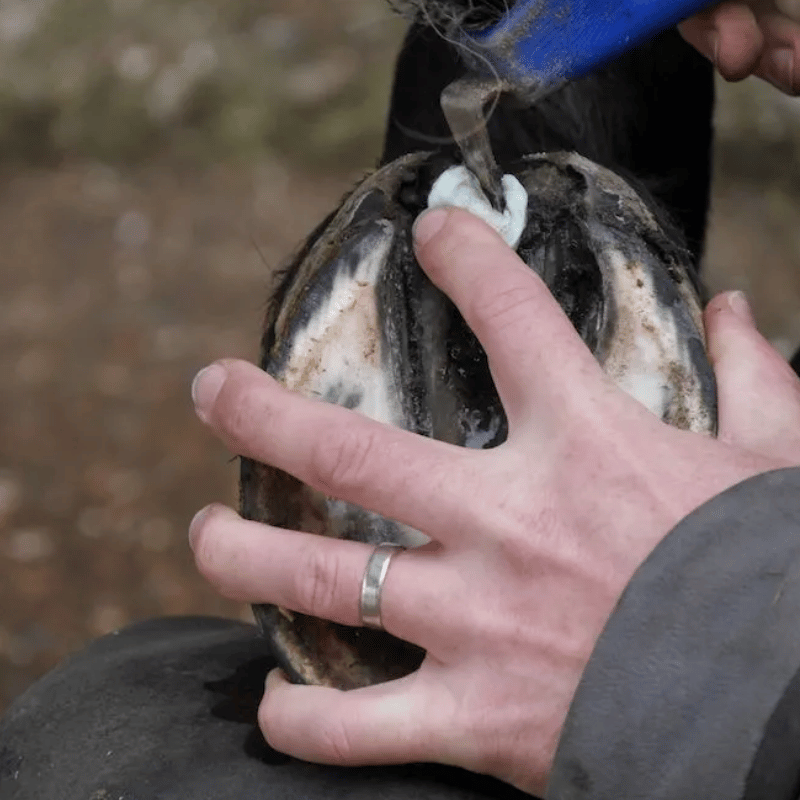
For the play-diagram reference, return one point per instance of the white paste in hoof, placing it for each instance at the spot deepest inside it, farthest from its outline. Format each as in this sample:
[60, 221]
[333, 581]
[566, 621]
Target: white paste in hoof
[459, 187]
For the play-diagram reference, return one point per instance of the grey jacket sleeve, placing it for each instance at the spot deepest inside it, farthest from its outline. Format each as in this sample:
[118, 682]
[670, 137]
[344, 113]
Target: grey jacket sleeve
[692, 692]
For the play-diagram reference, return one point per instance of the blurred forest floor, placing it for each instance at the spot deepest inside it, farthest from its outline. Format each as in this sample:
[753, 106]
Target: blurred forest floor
[157, 162]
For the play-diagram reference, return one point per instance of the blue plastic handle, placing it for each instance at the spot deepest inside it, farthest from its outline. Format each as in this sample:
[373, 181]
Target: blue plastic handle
[539, 44]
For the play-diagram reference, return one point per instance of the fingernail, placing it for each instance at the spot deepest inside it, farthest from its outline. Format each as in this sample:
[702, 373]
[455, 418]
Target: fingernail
[275, 678]
[205, 388]
[428, 224]
[739, 305]
[781, 70]
[194, 525]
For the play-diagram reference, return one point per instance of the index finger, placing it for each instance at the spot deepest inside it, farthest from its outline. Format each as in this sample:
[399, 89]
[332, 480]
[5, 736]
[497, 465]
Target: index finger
[406, 477]
[533, 349]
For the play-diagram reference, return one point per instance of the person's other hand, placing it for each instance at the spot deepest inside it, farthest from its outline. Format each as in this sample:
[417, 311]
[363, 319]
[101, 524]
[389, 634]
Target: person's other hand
[757, 37]
[533, 541]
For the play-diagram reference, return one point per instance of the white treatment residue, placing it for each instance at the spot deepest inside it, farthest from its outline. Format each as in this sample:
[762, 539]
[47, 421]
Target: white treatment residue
[459, 187]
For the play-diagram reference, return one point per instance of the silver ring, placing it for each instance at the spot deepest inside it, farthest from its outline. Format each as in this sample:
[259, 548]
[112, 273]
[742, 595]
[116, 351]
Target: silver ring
[372, 584]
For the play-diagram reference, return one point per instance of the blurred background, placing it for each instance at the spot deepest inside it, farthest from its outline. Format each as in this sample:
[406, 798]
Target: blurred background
[158, 160]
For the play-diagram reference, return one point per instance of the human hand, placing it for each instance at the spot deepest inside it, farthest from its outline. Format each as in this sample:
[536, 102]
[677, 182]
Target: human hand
[756, 37]
[533, 541]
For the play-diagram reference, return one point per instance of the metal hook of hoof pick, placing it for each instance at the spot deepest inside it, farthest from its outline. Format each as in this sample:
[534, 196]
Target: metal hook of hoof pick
[463, 102]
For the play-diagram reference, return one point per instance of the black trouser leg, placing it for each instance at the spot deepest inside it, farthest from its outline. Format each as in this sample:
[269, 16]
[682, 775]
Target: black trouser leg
[166, 710]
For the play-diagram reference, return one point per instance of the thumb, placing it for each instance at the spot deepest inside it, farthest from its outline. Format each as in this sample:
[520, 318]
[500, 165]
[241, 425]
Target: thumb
[728, 35]
[759, 394]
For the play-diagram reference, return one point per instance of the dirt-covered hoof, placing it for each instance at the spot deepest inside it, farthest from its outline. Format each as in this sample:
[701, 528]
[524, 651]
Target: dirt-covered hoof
[357, 323]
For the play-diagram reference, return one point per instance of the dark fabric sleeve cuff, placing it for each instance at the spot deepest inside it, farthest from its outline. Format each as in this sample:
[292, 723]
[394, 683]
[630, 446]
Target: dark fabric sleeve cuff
[691, 689]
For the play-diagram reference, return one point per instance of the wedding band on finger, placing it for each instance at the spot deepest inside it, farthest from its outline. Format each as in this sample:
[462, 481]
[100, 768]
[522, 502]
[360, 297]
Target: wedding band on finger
[372, 583]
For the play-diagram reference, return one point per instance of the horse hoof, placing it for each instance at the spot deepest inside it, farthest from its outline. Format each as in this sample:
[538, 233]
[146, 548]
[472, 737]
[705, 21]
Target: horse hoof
[357, 323]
